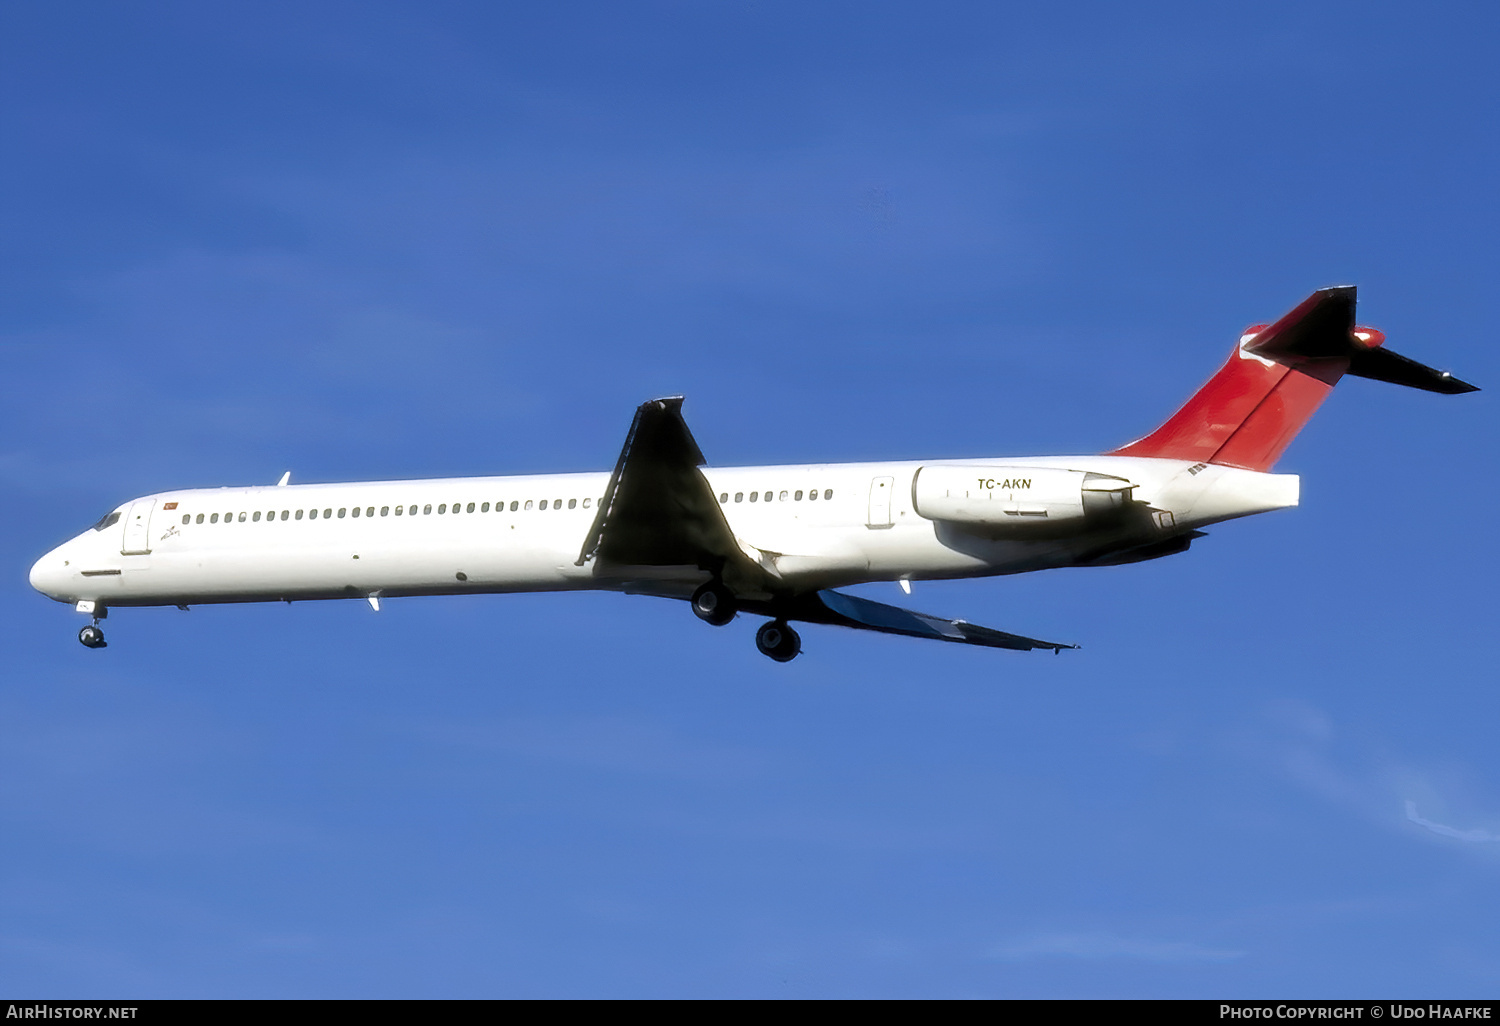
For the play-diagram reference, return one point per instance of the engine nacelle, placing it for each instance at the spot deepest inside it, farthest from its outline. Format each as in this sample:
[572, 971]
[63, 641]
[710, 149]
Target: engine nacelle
[1016, 497]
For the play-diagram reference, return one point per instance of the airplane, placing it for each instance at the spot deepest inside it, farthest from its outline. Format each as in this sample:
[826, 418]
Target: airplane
[773, 541]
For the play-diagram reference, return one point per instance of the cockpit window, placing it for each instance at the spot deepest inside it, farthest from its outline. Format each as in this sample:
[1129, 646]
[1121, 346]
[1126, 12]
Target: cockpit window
[108, 520]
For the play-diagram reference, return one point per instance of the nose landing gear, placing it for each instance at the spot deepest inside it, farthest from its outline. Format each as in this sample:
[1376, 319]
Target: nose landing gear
[92, 637]
[778, 641]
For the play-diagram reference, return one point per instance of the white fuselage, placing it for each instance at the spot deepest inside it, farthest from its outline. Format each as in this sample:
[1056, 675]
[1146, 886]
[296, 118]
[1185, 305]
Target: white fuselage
[505, 534]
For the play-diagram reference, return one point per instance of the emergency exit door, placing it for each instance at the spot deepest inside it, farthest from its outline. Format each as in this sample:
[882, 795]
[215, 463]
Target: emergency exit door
[880, 502]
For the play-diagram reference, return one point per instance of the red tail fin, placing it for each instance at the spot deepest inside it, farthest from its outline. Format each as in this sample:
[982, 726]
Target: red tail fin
[1250, 411]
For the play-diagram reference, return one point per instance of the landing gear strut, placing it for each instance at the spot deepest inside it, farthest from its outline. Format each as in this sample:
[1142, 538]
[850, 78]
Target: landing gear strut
[778, 641]
[713, 603]
[92, 637]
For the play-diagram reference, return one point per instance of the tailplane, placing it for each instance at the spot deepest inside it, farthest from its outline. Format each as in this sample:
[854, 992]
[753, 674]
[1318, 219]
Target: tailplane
[1277, 377]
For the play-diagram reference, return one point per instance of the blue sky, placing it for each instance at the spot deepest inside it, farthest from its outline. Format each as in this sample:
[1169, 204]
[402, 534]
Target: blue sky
[369, 240]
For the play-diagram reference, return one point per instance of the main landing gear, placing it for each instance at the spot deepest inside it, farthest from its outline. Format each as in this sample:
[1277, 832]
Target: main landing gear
[778, 641]
[92, 637]
[713, 603]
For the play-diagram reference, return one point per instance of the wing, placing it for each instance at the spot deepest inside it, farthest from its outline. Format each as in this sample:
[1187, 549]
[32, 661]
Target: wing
[658, 509]
[841, 610]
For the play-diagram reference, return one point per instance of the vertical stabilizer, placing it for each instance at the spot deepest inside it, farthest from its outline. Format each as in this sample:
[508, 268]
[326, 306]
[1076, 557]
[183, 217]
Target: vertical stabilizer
[1278, 376]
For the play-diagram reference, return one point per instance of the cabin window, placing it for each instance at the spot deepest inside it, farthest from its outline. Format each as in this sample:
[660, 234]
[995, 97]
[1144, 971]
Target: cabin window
[426, 509]
[783, 495]
[828, 493]
[738, 496]
[513, 505]
[572, 503]
[342, 511]
[754, 496]
[242, 517]
[484, 507]
[186, 517]
[271, 514]
[442, 507]
[200, 518]
[528, 503]
[723, 496]
[586, 503]
[798, 496]
[255, 519]
[214, 519]
[542, 504]
[400, 511]
[813, 495]
[385, 511]
[328, 513]
[356, 511]
[470, 508]
[298, 516]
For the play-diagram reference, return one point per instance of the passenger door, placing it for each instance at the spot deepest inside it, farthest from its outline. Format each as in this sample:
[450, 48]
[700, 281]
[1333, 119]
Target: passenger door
[138, 528]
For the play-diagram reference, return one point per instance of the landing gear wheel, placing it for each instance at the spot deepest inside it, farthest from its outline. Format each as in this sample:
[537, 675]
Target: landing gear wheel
[713, 603]
[778, 641]
[92, 637]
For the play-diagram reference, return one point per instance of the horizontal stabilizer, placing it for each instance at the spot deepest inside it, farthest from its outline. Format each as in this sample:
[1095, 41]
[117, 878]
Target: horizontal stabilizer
[842, 610]
[1384, 365]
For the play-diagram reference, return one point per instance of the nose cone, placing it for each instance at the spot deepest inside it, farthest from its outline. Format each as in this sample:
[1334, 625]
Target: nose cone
[50, 575]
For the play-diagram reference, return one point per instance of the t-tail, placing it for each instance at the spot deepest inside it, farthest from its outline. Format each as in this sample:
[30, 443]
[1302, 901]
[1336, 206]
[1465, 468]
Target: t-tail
[1278, 376]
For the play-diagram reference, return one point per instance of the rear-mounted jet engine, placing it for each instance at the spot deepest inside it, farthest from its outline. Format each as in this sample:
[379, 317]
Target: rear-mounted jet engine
[1019, 498]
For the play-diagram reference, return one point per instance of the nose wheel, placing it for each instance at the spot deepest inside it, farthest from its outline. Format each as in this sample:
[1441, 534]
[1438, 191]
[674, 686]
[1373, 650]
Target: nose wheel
[92, 637]
[778, 641]
[713, 603]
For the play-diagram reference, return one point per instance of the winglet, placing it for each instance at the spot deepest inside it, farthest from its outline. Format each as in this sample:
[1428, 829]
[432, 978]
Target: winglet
[284, 479]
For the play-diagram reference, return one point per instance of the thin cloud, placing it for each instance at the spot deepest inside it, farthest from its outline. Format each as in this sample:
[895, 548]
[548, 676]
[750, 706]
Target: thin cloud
[1474, 836]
